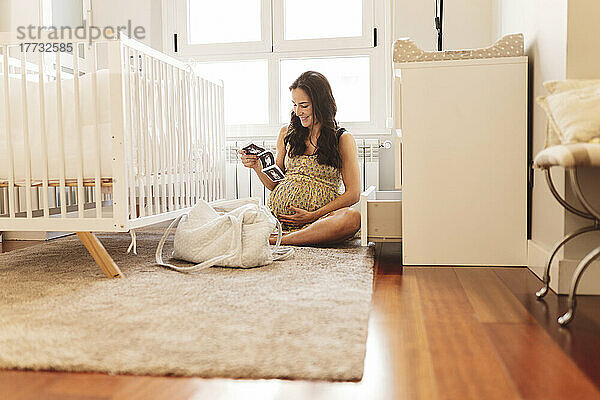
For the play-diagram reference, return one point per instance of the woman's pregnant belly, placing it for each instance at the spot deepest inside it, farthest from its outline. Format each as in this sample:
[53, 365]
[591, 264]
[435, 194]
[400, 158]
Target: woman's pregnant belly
[299, 192]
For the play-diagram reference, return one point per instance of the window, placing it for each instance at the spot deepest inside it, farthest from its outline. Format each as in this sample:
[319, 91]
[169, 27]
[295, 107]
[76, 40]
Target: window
[295, 13]
[210, 21]
[258, 48]
[246, 94]
[349, 79]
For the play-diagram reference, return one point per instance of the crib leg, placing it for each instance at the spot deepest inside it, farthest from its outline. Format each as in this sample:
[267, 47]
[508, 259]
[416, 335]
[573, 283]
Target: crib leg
[100, 255]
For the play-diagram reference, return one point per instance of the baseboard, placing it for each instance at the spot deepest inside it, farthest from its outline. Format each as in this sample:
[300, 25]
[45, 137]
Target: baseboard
[562, 270]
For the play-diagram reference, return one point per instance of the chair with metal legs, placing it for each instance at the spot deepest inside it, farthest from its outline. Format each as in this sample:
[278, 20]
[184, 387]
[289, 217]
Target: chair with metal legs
[570, 157]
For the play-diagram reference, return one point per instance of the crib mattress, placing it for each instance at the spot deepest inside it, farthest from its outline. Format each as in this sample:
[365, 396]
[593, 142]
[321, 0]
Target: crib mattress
[405, 50]
[92, 152]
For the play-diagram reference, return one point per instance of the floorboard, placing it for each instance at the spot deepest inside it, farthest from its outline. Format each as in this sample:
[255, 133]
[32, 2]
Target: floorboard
[581, 339]
[537, 365]
[491, 300]
[465, 362]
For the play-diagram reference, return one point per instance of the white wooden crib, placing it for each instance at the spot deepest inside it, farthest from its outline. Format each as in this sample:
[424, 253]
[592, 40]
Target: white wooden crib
[112, 137]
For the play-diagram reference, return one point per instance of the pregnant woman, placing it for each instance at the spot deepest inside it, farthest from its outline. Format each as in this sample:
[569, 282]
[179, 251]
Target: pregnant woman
[316, 156]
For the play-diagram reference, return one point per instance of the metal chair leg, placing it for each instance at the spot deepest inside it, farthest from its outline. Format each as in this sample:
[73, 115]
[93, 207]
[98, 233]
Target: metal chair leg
[587, 260]
[588, 214]
[546, 279]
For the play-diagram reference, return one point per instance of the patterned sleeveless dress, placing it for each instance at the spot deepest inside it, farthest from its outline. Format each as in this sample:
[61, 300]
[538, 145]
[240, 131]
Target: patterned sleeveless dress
[307, 185]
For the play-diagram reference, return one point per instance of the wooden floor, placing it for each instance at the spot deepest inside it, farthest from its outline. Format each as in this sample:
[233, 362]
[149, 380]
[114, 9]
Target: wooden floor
[434, 333]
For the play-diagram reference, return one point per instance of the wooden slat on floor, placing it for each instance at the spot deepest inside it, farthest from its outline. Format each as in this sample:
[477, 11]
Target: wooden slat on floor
[399, 297]
[539, 368]
[20, 385]
[581, 339]
[466, 364]
[489, 296]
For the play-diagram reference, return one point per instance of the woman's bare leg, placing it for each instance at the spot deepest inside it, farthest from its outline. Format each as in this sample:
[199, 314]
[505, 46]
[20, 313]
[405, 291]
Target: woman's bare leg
[336, 227]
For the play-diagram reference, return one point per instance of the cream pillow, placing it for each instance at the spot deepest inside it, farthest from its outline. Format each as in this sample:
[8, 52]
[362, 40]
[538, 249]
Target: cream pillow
[573, 114]
[570, 84]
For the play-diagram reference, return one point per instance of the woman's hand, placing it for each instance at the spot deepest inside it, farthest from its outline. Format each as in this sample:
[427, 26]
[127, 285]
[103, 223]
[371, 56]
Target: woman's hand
[299, 218]
[249, 160]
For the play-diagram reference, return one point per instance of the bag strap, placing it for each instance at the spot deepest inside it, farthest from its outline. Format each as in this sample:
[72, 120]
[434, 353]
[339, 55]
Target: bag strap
[236, 243]
[280, 253]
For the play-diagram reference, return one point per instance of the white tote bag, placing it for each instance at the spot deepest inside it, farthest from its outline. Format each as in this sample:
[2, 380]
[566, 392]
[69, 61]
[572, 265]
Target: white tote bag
[237, 238]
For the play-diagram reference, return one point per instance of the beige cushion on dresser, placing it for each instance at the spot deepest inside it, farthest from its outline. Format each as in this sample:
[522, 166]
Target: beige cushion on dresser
[573, 110]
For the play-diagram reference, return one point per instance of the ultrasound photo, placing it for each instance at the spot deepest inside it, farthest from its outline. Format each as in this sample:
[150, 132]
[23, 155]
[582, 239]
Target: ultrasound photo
[274, 173]
[267, 159]
[253, 149]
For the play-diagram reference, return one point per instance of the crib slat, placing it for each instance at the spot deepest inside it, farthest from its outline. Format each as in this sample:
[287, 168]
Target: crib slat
[184, 131]
[26, 143]
[186, 137]
[188, 108]
[77, 109]
[61, 140]
[202, 135]
[182, 102]
[130, 123]
[139, 120]
[9, 144]
[97, 142]
[203, 147]
[143, 133]
[197, 138]
[217, 151]
[208, 134]
[162, 135]
[211, 103]
[154, 142]
[221, 146]
[176, 136]
[201, 140]
[146, 134]
[206, 141]
[180, 138]
[171, 136]
[193, 138]
[43, 137]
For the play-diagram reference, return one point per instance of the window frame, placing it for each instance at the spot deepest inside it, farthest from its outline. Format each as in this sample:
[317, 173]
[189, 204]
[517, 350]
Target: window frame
[358, 42]
[381, 71]
[194, 50]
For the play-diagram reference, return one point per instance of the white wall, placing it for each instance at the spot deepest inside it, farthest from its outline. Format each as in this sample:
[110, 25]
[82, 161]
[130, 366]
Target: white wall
[143, 13]
[544, 25]
[4, 15]
[467, 23]
[18, 13]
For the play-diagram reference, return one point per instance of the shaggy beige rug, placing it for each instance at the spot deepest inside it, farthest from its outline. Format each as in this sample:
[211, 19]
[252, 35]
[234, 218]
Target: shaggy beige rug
[302, 318]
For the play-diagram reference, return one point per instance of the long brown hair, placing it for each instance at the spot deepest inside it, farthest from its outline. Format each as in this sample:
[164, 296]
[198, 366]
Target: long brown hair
[324, 109]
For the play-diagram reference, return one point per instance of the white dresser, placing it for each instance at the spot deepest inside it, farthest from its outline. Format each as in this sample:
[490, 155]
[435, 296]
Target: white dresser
[464, 161]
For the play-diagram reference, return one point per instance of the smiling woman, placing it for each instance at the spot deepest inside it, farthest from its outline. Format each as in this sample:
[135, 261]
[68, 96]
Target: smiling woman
[317, 156]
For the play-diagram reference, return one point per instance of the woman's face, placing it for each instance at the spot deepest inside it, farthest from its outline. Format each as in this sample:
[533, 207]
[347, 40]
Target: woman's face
[302, 107]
